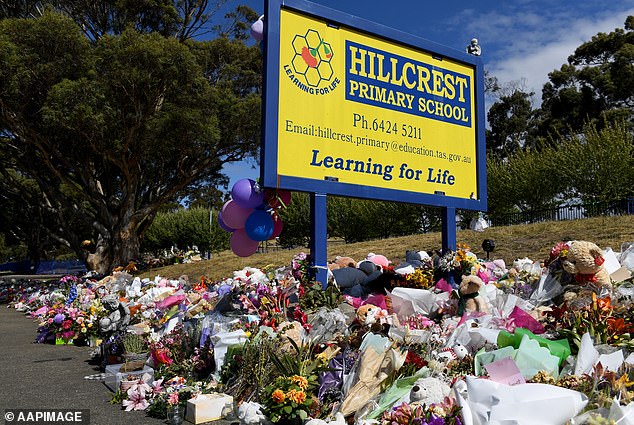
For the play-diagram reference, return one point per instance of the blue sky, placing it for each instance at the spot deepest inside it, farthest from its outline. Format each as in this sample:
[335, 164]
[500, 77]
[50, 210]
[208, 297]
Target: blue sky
[522, 40]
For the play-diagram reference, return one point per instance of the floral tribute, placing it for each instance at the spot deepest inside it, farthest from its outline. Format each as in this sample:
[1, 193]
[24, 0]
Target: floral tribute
[290, 351]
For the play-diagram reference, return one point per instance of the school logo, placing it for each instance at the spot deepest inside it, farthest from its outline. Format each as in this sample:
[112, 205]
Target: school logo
[311, 67]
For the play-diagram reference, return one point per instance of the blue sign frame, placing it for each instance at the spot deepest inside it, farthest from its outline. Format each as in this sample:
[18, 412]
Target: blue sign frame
[269, 157]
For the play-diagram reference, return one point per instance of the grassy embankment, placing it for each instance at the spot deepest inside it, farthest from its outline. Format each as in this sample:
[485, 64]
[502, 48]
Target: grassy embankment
[533, 241]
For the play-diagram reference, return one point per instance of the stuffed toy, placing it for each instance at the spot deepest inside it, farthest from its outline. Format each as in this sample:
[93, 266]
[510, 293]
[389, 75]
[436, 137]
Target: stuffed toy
[584, 261]
[250, 413]
[470, 298]
[428, 391]
[340, 262]
[413, 260]
[378, 259]
[367, 314]
[448, 354]
[357, 282]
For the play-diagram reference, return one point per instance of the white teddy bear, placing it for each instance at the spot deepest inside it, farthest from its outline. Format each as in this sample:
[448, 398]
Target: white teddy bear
[429, 391]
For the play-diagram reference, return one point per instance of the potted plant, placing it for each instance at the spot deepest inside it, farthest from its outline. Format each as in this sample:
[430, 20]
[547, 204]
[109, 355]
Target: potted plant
[135, 351]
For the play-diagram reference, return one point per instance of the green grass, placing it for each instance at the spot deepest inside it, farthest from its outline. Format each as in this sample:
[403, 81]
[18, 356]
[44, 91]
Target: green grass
[533, 241]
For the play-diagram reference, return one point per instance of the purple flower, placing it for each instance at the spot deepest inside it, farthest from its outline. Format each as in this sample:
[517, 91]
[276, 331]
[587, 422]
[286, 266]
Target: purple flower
[224, 289]
[436, 421]
[59, 318]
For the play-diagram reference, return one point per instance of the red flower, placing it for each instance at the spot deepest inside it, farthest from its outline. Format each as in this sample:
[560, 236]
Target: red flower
[67, 324]
[415, 359]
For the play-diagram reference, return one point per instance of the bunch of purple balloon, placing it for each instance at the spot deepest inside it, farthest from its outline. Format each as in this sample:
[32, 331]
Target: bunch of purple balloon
[252, 215]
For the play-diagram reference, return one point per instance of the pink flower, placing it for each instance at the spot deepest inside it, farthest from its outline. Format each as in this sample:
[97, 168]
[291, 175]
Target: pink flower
[157, 386]
[135, 401]
[141, 387]
[173, 398]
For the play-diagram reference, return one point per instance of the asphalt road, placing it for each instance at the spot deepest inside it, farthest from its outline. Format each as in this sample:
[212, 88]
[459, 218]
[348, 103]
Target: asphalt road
[44, 376]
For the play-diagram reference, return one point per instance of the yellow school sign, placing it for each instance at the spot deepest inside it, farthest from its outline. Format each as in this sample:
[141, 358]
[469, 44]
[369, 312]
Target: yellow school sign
[361, 110]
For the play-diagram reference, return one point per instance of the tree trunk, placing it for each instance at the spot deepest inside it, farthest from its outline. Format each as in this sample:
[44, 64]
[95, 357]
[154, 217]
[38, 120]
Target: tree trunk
[118, 248]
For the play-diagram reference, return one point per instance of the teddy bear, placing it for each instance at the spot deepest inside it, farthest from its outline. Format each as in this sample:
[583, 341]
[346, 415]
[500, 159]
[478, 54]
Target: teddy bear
[470, 298]
[340, 262]
[369, 314]
[428, 391]
[584, 261]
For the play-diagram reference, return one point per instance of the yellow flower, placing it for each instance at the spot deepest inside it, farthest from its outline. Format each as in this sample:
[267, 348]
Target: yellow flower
[278, 396]
[296, 396]
[300, 381]
[247, 334]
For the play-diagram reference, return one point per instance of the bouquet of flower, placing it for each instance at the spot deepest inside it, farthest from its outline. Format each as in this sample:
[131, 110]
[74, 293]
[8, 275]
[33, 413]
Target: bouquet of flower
[65, 322]
[421, 278]
[445, 413]
[286, 398]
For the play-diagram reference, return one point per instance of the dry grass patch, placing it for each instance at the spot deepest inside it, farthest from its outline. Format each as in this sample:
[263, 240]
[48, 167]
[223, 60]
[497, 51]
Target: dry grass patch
[532, 240]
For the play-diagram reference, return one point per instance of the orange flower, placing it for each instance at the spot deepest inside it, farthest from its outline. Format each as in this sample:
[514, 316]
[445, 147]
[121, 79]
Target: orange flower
[617, 325]
[300, 381]
[278, 396]
[602, 304]
[296, 396]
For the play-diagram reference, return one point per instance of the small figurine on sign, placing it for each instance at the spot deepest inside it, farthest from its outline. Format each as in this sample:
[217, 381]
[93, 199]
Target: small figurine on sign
[474, 47]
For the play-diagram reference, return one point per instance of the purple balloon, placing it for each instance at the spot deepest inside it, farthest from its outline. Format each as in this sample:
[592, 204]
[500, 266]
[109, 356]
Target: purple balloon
[247, 194]
[242, 245]
[223, 225]
[233, 215]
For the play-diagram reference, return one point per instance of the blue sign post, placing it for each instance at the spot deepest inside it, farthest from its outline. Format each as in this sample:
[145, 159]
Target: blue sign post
[357, 109]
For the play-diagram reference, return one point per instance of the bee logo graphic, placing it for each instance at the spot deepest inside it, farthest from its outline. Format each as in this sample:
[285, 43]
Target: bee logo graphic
[312, 58]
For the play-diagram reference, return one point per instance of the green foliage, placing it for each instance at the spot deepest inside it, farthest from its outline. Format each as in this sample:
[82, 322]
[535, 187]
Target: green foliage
[133, 343]
[509, 120]
[316, 297]
[598, 165]
[10, 252]
[186, 227]
[527, 180]
[296, 219]
[356, 220]
[112, 126]
[596, 85]
[247, 370]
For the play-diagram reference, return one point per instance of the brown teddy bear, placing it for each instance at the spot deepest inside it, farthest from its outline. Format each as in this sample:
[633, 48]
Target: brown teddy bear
[470, 298]
[584, 261]
[340, 262]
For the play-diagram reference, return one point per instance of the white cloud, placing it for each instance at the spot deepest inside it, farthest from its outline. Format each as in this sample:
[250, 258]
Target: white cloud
[533, 50]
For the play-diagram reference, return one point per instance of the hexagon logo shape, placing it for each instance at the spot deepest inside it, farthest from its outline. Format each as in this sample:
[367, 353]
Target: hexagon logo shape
[312, 58]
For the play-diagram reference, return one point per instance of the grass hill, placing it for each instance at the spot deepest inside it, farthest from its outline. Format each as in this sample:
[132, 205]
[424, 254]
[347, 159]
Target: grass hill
[532, 240]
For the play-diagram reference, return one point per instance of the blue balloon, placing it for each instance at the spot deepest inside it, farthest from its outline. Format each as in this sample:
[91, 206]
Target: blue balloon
[259, 225]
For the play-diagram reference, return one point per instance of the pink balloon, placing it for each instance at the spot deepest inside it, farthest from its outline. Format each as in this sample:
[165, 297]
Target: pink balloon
[241, 244]
[222, 224]
[277, 227]
[233, 215]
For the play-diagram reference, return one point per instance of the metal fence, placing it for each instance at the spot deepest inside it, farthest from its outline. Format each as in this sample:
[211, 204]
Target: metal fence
[567, 212]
